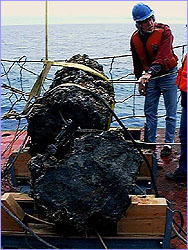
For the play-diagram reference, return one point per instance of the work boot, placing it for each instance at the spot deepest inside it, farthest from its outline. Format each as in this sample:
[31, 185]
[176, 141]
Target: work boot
[166, 151]
[176, 176]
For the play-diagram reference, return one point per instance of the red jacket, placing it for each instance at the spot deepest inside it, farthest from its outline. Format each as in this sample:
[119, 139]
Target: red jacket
[181, 80]
[162, 54]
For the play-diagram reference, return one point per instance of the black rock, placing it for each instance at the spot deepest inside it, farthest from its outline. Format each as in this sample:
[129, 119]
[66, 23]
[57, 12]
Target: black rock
[88, 188]
[69, 101]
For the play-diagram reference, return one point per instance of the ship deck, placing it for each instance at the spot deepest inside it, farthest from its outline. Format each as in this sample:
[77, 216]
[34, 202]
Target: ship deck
[175, 193]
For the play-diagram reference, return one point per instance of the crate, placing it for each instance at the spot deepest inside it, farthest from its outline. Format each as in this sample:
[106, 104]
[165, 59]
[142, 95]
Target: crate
[146, 216]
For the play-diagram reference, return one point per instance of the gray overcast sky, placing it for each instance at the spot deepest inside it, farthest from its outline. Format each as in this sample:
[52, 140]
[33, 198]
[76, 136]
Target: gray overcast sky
[33, 12]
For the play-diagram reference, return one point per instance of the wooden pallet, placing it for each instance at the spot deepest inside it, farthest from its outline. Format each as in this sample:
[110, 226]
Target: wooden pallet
[146, 216]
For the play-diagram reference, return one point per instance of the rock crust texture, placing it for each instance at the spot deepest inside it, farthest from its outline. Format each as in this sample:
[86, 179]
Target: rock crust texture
[89, 187]
[65, 101]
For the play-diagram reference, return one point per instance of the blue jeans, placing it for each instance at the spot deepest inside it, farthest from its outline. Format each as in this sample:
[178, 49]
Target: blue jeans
[183, 139]
[167, 86]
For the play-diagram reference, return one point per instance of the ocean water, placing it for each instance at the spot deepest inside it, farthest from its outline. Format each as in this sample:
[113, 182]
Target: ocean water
[64, 41]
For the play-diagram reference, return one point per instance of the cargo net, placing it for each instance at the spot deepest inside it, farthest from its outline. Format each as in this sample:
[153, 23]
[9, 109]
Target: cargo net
[70, 142]
[68, 117]
[17, 80]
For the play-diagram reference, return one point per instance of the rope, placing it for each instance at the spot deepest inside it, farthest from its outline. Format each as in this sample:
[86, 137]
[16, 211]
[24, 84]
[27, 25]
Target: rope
[15, 61]
[101, 240]
[137, 116]
[134, 101]
[14, 89]
[129, 81]
[95, 58]
[37, 219]
[157, 143]
[139, 188]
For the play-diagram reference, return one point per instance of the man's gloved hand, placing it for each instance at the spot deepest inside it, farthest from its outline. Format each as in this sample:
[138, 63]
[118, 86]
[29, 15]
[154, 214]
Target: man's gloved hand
[142, 88]
[143, 81]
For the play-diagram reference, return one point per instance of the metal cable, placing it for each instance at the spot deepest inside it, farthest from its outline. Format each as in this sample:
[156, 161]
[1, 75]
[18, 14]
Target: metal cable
[179, 235]
[101, 240]
[25, 227]
[181, 228]
[182, 222]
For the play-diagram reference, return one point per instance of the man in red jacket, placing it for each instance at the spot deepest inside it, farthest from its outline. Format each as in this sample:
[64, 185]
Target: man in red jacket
[180, 173]
[151, 46]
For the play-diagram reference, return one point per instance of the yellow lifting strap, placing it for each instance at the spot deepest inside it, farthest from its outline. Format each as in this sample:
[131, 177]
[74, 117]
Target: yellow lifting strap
[35, 91]
[46, 29]
[110, 116]
[81, 67]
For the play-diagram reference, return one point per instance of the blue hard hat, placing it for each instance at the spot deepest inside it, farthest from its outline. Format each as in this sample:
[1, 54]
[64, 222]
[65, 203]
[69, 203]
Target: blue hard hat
[141, 12]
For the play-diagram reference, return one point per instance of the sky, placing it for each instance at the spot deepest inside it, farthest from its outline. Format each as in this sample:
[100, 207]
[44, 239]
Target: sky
[63, 12]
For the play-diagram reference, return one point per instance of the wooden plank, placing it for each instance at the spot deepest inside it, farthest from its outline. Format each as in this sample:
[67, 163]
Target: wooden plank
[145, 216]
[20, 165]
[149, 226]
[21, 197]
[144, 171]
[7, 222]
[144, 178]
[42, 229]
[146, 207]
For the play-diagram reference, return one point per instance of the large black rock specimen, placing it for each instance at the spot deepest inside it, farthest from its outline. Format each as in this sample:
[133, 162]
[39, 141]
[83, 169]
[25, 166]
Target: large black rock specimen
[89, 187]
[83, 180]
[67, 101]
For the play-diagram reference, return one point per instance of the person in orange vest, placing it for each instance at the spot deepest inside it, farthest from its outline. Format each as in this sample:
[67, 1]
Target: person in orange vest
[152, 53]
[180, 174]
